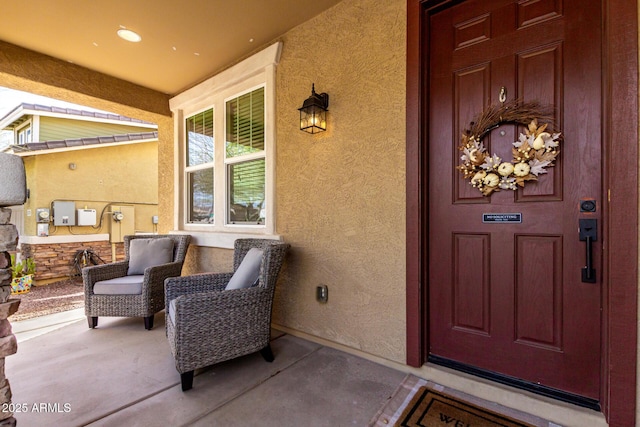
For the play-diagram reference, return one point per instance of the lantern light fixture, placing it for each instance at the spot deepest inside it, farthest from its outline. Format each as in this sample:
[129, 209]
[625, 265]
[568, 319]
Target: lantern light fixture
[313, 113]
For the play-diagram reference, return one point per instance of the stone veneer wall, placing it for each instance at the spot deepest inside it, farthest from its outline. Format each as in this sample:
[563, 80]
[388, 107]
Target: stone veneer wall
[56, 260]
[8, 306]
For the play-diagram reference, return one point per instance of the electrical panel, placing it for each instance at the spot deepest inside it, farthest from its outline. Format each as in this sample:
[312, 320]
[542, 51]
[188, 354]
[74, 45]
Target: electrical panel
[64, 213]
[87, 217]
[122, 223]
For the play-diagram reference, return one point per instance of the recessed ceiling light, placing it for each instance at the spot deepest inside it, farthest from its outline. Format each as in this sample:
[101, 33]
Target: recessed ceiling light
[128, 35]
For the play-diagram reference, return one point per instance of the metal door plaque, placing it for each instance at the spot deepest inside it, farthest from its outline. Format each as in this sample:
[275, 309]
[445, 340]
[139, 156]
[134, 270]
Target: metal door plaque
[502, 218]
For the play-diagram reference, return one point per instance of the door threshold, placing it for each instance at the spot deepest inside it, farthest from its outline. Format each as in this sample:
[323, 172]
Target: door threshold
[553, 393]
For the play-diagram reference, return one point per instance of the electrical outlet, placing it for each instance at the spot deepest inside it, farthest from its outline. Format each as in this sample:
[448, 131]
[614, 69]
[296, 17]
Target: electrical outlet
[322, 293]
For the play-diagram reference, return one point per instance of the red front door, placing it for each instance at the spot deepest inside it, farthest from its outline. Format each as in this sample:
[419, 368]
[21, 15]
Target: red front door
[508, 298]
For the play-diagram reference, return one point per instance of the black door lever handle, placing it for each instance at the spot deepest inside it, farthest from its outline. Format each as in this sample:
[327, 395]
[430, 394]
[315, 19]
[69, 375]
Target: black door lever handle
[589, 234]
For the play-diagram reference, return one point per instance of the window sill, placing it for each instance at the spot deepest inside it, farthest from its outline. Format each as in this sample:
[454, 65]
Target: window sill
[221, 240]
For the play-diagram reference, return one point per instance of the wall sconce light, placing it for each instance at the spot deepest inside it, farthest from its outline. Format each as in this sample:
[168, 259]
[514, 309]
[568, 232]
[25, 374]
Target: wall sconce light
[313, 113]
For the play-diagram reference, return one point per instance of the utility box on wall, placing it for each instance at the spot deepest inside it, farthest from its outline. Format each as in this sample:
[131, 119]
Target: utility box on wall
[87, 217]
[64, 213]
[122, 223]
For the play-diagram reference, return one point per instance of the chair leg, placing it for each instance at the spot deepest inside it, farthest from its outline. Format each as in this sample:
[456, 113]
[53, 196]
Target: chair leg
[267, 353]
[93, 321]
[148, 322]
[187, 380]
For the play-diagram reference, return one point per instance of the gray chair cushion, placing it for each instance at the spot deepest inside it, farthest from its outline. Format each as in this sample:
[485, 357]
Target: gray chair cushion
[126, 285]
[248, 271]
[145, 253]
[172, 311]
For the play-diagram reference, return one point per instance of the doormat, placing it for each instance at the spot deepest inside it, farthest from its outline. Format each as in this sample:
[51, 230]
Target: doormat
[420, 403]
[430, 408]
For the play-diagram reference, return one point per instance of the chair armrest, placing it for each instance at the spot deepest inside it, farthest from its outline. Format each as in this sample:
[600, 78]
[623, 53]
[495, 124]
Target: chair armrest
[220, 307]
[195, 283]
[96, 273]
[158, 273]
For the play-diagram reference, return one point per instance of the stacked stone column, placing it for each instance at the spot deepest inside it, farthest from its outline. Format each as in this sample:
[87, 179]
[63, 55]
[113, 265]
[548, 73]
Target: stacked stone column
[8, 306]
[13, 191]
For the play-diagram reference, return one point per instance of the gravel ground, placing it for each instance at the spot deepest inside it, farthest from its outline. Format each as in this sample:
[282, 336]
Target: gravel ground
[47, 299]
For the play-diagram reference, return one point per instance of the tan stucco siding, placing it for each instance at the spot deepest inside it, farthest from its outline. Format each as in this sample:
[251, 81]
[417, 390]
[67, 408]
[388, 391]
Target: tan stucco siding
[341, 194]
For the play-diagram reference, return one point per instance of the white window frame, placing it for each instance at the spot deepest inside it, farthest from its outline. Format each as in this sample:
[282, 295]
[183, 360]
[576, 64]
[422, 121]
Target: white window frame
[250, 74]
[189, 169]
[26, 126]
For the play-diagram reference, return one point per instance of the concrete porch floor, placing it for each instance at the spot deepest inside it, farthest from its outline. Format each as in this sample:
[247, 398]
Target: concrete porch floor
[65, 374]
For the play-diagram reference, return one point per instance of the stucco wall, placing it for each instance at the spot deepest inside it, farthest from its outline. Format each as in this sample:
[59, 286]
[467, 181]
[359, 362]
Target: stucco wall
[124, 173]
[341, 194]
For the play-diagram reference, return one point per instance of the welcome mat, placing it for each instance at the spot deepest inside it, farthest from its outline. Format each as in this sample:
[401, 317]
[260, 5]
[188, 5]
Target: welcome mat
[420, 403]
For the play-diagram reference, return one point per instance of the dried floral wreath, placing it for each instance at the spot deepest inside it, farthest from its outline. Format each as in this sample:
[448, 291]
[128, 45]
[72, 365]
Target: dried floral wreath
[534, 151]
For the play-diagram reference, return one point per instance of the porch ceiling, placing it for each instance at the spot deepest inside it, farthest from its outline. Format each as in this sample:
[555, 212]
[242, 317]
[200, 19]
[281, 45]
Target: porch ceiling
[183, 42]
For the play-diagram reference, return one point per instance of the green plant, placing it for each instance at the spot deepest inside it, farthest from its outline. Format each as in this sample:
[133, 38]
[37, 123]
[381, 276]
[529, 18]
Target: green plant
[22, 268]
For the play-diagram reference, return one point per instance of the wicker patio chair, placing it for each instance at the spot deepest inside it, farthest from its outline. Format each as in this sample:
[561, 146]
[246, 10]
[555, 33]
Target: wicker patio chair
[208, 323]
[110, 291]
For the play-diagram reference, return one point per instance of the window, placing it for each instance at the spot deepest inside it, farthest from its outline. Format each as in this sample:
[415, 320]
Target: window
[226, 146]
[199, 167]
[24, 135]
[245, 158]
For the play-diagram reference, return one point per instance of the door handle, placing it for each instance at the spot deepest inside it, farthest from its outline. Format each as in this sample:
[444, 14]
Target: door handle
[588, 232]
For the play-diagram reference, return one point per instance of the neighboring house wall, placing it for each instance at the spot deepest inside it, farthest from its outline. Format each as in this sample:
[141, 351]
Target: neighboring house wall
[117, 175]
[55, 259]
[54, 128]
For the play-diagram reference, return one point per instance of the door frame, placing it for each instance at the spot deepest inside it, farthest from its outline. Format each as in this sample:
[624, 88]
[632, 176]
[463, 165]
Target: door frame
[620, 177]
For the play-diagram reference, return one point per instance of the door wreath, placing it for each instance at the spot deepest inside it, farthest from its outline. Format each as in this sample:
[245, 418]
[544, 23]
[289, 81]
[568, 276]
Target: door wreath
[535, 150]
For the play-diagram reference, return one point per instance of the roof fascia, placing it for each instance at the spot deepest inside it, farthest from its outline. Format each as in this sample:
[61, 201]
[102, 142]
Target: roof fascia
[79, 147]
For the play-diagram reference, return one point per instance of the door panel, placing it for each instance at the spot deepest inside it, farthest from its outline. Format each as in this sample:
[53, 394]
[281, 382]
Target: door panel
[471, 283]
[538, 304]
[508, 298]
